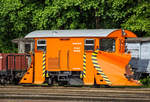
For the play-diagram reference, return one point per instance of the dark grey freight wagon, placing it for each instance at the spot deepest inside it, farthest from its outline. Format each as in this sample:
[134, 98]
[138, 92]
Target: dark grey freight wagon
[140, 51]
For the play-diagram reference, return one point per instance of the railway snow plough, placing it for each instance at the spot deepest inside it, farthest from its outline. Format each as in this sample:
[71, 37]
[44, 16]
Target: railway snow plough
[80, 57]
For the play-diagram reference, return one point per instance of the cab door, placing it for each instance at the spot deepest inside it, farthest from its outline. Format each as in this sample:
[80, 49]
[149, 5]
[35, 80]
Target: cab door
[64, 54]
[58, 54]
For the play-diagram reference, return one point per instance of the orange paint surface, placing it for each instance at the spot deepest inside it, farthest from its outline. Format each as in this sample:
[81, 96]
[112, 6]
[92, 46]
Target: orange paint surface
[66, 54]
[89, 79]
[38, 71]
[113, 65]
[28, 77]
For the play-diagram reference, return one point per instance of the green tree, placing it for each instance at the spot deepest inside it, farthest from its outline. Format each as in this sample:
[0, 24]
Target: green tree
[19, 17]
[139, 19]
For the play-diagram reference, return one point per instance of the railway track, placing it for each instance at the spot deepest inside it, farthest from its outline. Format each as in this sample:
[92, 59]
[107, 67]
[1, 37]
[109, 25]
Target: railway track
[73, 94]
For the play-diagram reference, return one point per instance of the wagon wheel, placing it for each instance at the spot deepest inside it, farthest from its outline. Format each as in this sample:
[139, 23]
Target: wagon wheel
[129, 72]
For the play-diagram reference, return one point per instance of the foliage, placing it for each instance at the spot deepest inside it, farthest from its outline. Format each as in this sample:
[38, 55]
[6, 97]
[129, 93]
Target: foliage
[146, 81]
[139, 21]
[19, 17]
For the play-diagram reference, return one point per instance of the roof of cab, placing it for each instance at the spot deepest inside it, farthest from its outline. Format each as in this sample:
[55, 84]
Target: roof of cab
[70, 33]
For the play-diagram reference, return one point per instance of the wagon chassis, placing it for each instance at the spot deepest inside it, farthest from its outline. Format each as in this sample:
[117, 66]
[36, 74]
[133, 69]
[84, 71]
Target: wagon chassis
[11, 75]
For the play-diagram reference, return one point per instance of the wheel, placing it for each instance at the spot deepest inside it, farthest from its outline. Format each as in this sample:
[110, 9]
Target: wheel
[49, 81]
[2, 81]
[62, 83]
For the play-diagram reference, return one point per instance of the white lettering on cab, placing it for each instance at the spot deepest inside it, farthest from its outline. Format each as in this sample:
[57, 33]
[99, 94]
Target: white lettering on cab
[77, 43]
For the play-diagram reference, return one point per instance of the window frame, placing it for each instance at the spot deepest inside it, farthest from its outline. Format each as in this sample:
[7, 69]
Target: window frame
[113, 44]
[27, 47]
[41, 45]
[93, 45]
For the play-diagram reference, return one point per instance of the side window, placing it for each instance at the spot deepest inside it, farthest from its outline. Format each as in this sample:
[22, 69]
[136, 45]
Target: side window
[41, 44]
[107, 44]
[89, 44]
[27, 48]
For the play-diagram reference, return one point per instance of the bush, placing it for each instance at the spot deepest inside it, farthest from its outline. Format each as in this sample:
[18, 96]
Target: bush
[146, 81]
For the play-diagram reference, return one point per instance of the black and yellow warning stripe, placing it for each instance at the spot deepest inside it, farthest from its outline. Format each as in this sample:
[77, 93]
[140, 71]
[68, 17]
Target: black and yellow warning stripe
[83, 73]
[44, 63]
[98, 68]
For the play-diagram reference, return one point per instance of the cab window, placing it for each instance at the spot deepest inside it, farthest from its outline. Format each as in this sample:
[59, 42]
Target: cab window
[89, 44]
[41, 44]
[107, 44]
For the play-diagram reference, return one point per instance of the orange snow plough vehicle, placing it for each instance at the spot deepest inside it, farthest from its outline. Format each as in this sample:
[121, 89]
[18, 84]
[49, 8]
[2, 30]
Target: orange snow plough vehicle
[80, 57]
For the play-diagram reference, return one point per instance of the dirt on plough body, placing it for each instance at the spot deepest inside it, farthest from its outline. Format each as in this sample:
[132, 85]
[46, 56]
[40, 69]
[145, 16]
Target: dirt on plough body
[72, 94]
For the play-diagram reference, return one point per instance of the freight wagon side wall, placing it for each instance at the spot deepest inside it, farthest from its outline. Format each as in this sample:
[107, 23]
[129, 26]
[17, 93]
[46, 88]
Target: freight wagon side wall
[4, 61]
[12, 61]
[140, 52]
[134, 49]
[1, 57]
[18, 62]
[65, 54]
[144, 64]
